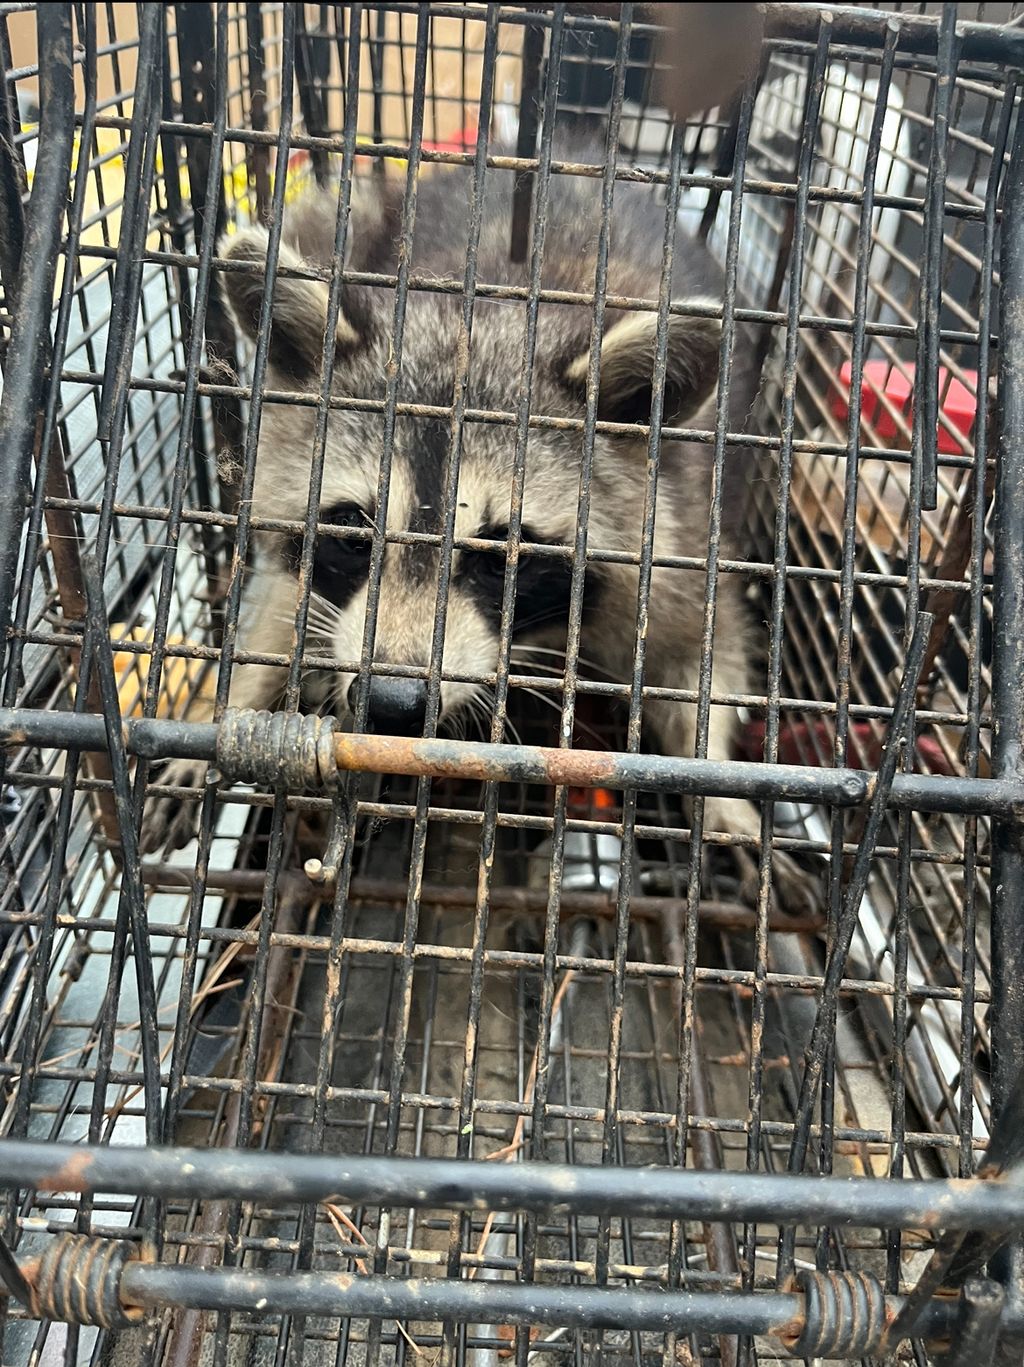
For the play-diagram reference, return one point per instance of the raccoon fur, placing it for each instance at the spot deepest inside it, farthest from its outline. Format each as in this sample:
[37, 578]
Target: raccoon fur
[365, 354]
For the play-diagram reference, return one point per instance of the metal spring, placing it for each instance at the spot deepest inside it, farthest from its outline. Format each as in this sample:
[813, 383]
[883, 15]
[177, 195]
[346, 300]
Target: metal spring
[845, 1315]
[277, 748]
[77, 1281]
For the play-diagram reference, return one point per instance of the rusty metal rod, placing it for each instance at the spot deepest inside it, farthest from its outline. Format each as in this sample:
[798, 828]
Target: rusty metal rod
[165, 739]
[723, 915]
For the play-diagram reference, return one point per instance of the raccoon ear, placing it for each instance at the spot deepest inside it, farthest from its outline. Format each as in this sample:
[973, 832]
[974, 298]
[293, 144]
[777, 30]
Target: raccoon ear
[299, 315]
[628, 352]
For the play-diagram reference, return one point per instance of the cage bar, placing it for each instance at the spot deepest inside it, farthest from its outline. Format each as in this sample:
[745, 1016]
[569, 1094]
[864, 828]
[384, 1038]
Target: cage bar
[493, 1035]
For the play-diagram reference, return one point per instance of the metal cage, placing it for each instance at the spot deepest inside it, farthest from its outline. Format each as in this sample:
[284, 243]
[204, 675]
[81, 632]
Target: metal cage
[454, 1049]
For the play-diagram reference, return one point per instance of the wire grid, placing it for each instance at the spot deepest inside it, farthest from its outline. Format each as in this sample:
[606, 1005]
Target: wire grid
[241, 993]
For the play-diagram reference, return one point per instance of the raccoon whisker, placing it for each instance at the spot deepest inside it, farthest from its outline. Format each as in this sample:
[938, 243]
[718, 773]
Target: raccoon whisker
[553, 613]
[317, 642]
[579, 725]
[534, 669]
[339, 699]
[325, 612]
[314, 624]
[328, 620]
[475, 720]
[477, 711]
[322, 601]
[513, 730]
[479, 708]
[559, 654]
[541, 666]
[326, 700]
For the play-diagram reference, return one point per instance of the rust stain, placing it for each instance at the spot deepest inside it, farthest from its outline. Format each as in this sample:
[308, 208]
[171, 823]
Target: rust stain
[30, 1270]
[73, 1176]
[333, 978]
[789, 1331]
[145, 1253]
[464, 759]
[507, 1333]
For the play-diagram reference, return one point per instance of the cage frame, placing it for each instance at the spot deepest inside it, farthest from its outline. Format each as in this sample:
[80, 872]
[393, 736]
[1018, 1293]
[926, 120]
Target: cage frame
[989, 1201]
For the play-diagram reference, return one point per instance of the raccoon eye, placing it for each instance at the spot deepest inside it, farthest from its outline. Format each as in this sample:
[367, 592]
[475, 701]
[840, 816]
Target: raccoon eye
[542, 584]
[490, 565]
[487, 568]
[493, 562]
[341, 563]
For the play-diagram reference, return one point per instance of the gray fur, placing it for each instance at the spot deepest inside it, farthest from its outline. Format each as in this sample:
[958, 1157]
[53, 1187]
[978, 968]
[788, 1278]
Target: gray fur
[427, 374]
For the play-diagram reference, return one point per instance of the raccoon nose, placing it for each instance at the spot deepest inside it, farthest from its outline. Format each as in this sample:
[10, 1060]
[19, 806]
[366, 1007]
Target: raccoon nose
[397, 706]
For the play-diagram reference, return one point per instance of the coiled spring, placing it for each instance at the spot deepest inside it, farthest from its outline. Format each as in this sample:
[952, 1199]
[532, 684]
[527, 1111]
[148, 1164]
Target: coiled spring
[78, 1279]
[272, 748]
[845, 1315]
[291, 750]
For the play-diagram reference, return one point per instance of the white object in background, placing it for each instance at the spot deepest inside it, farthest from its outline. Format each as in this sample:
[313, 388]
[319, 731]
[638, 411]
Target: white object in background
[590, 862]
[844, 129]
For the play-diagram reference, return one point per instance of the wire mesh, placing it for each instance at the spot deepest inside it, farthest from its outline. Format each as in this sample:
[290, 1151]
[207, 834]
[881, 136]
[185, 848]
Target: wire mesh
[503, 970]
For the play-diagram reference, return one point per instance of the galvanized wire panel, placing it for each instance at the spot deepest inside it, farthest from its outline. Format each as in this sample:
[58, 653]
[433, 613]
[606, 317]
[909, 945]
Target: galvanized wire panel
[502, 969]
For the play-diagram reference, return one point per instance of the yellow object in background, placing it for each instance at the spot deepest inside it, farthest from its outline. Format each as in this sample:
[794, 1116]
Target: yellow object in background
[187, 686]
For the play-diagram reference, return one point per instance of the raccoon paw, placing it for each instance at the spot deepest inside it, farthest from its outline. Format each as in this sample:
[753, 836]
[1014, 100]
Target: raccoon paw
[796, 890]
[799, 891]
[170, 822]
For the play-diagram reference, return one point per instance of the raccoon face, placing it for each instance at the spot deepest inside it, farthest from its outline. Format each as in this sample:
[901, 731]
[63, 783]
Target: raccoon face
[407, 591]
[410, 569]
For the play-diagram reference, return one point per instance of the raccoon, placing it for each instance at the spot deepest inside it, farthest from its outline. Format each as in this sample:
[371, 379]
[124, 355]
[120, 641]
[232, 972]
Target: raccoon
[427, 375]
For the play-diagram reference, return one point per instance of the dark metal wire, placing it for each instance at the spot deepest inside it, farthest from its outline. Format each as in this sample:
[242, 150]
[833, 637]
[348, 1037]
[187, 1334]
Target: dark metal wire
[362, 1015]
[131, 909]
[206, 245]
[812, 113]
[22, 377]
[139, 170]
[1007, 670]
[823, 1032]
[972, 747]
[926, 409]
[342, 817]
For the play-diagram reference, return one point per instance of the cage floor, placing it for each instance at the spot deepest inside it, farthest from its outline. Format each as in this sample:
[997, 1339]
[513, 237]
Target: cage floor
[378, 1095]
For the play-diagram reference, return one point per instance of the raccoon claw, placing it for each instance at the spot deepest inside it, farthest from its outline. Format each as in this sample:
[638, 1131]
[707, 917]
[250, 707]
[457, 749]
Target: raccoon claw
[795, 890]
[799, 891]
[170, 822]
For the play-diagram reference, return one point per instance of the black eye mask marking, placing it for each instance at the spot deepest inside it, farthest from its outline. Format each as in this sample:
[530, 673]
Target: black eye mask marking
[543, 582]
[340, 563]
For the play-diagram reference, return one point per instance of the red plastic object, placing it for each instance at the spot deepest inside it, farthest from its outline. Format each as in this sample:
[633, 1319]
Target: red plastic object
[800, 743]
[959, 404]
[462, 141]
[604, 805]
